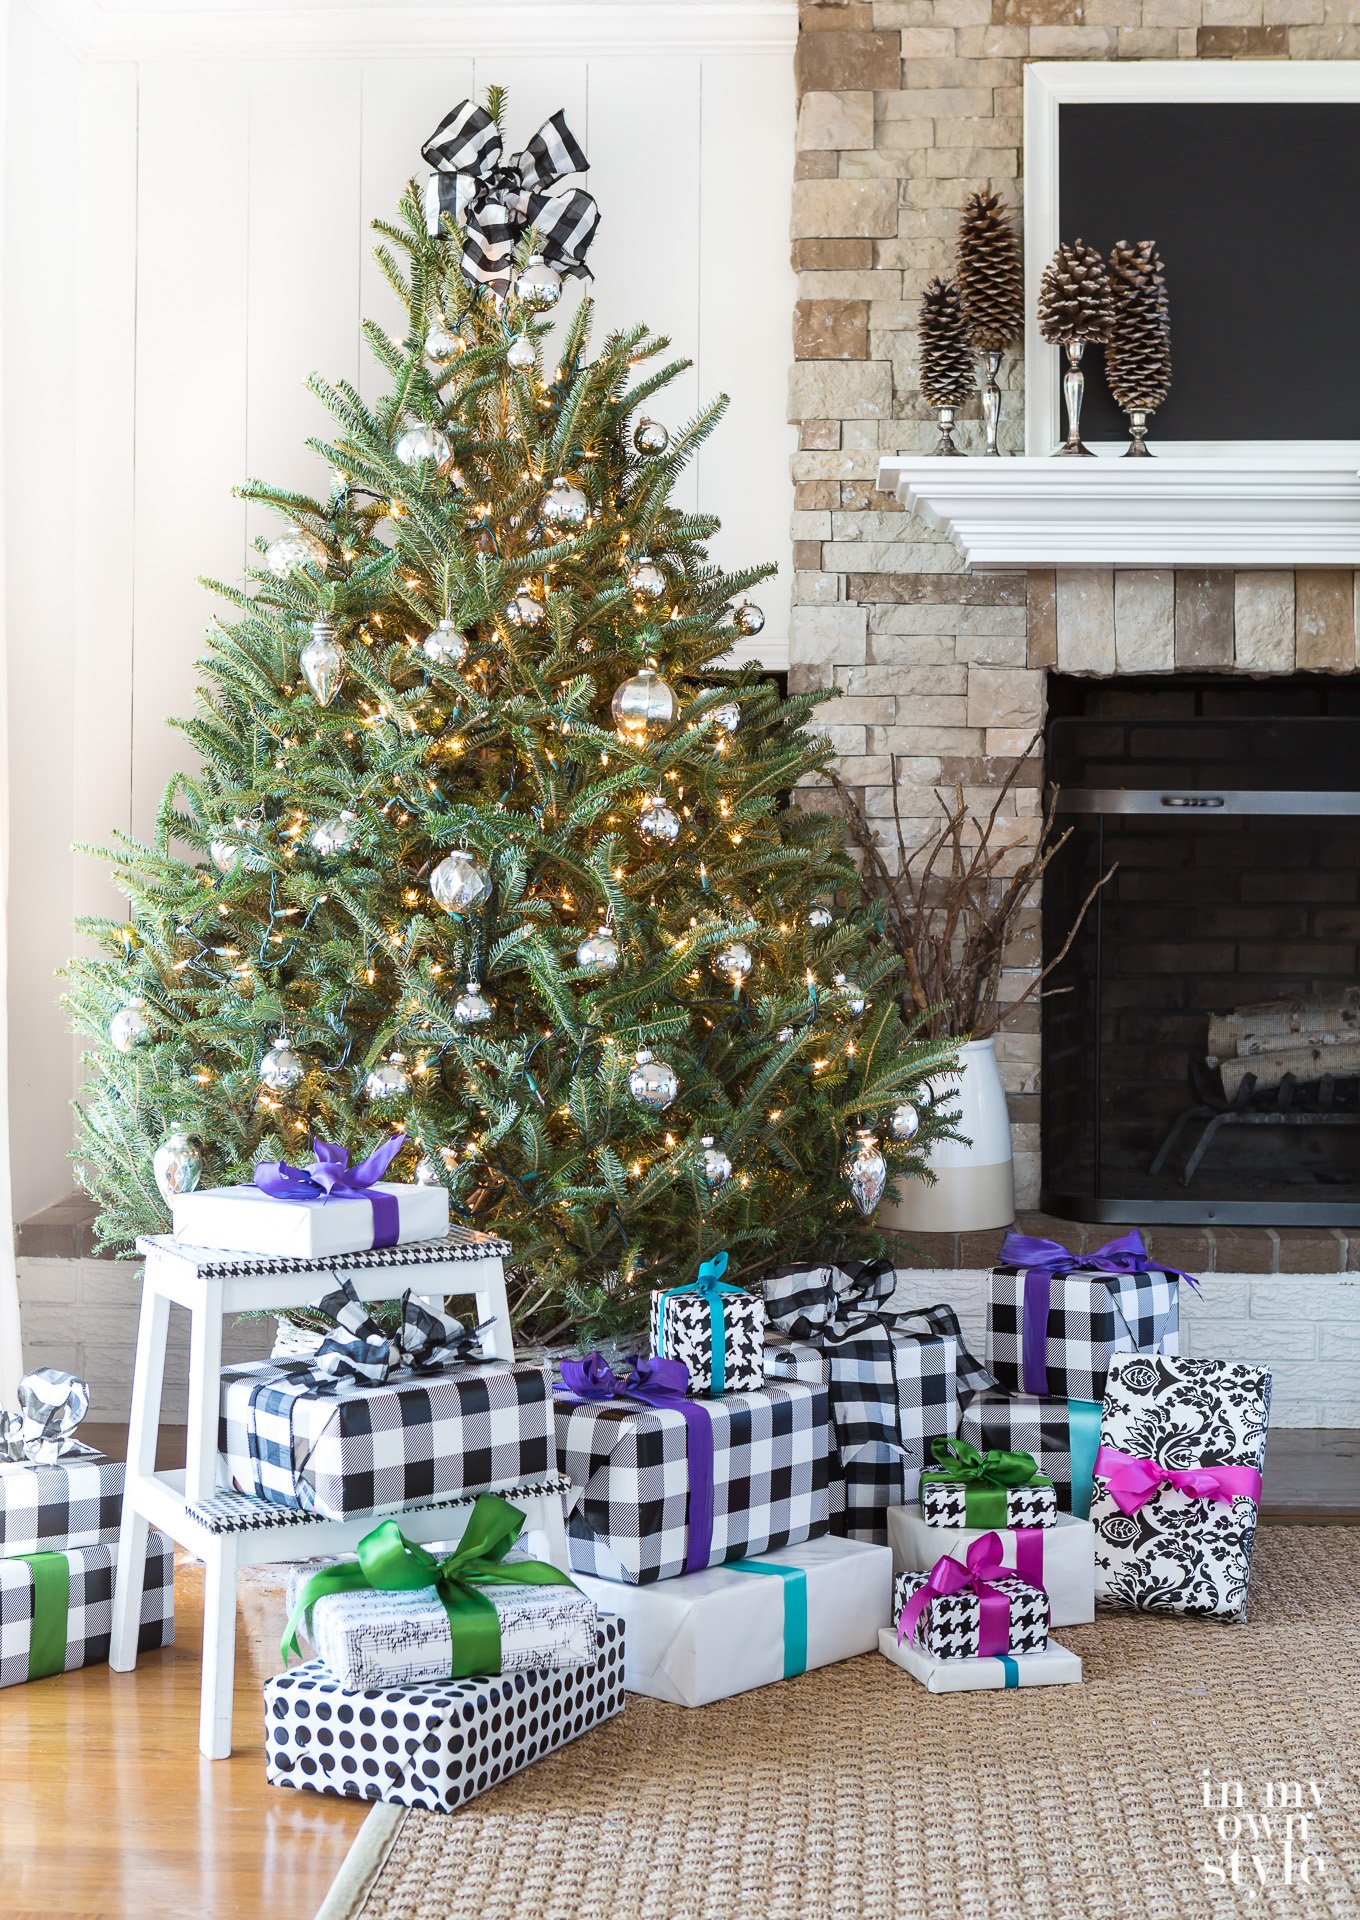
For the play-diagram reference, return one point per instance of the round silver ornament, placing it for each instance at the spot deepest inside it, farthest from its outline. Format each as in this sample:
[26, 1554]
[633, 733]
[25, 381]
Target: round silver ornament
[441, 343]
[733, 961]
[323, 663]
[177, 1164]
[224, 854]
[564, 505]
[422, 443]
[525, 611]
[598, 954]
[853, 997]
[727, 717]
[784, 1035]
[646, 579]
[658, 822]
[520, 354]
[819, 917]
[652, 1083]
[749, 619]
[866, 1172]
[130, 1027]
[905, 1123]
[446, 646]
[472, 1008]
[294, 548]
[649, 436]
[429, 1173]
[389, 1080]
[337, 835]
[642, 703]
[460, 882]
[281, 1069]
[717, 1168]
[538, 285]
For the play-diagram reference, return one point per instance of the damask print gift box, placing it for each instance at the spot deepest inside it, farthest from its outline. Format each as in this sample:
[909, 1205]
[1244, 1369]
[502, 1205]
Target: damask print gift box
[1177, 1486]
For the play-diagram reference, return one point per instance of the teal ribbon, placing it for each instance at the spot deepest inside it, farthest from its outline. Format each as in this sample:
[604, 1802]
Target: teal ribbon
[710, 1288]
[1008, 1666]
[1083, 1439]
[51, 1604]
[795, 1610]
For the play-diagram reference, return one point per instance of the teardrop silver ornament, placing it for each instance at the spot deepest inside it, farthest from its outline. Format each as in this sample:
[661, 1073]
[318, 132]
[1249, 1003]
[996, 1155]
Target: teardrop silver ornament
[323, 663]
[429, 1173]
[866, 1172]
[652, 1082]
[177, 1163]
[905, 1123]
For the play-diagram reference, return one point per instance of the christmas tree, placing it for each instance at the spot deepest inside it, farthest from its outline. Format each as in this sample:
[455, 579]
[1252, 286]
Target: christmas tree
[481, 822]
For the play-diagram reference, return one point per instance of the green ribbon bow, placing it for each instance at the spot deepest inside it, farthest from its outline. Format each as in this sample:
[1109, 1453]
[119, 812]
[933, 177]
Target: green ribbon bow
[985, 1477]
[389, 1563]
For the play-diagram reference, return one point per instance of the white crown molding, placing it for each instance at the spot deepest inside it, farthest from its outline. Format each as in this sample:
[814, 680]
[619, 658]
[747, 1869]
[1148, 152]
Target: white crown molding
[109, 30]
[1164, 512]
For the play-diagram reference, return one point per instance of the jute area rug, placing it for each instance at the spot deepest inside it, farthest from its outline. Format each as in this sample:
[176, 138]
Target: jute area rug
[852, 1794]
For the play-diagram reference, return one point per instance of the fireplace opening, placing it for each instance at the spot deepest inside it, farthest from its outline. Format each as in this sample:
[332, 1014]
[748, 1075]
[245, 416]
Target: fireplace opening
[1201, 1052]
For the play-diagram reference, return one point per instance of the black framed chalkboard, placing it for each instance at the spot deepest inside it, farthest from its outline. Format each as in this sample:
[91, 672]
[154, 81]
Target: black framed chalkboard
[1256, 210]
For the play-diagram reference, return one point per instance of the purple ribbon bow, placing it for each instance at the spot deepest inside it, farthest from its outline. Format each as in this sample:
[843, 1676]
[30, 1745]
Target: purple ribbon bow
[331, 1177]
[1041, 1261]
[661, 1383]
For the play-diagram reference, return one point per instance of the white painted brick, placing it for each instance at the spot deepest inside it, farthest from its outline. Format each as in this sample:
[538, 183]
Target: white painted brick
[1337, 1384]
[1338, 1343]
[965, 1290]
[1304, 1298]
[1221, 1297]
[43, 1280]
[1256, 1340]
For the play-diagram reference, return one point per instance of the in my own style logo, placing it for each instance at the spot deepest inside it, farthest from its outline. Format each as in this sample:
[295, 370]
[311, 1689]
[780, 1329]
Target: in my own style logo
[1266, 1833]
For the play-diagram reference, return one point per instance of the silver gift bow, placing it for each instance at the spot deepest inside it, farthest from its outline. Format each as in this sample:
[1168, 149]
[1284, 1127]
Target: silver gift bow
[494, 199]
[358, 1348]
[52, 1405]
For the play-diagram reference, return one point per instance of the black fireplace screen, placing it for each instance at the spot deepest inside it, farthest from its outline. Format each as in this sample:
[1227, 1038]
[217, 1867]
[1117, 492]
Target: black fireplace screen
[1201, 1055]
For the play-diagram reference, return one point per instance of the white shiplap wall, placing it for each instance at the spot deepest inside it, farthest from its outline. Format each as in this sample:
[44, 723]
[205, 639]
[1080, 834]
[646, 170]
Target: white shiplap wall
[172, 286]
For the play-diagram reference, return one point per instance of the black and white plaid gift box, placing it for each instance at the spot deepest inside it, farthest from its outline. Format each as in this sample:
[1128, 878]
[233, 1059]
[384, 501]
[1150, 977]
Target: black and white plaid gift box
[438, 1745]
[1048, 1429]
[630, 1519]
[73, 1502]
[1180, 1551]
[944, 1503]
[949, 1626]
[342, 1447]
[682, 1326]
[89, 1611]
[1089, 1316]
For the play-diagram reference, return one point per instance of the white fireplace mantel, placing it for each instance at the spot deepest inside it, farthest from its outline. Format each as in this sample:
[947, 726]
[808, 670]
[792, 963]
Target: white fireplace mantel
[1224, 511]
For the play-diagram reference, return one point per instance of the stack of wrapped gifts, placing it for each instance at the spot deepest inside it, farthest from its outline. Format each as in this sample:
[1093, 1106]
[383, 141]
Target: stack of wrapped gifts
[60, 1507]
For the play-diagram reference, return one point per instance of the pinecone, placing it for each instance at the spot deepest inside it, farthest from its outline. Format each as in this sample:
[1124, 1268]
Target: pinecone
[946, 362]
[1138, 355]
[1075, 302]
[991, 274]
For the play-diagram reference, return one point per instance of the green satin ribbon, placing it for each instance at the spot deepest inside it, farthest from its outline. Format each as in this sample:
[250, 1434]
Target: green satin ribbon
[985, 1477]
[51, 1604]
[389, 1563]
[795, 1610]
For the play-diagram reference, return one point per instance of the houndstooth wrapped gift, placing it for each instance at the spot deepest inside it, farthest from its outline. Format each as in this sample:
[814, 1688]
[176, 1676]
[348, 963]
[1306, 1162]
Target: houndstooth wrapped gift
[76, 1501]
[1056, 1319]
[966, 1488]
[56, 1609]
[1178, 1484]
[894, 1380]
[1061, 1435]
[668, 1484]
[1060, 1558]
[716, 1329]
[340, 1446]
[435, 1746]
[971, 1615]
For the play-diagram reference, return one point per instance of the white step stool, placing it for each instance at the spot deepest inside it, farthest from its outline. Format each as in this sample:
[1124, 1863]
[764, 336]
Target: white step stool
[227, 1530]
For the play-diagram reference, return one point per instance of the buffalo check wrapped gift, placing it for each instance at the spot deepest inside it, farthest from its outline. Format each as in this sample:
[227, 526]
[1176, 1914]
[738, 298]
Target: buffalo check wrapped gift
[371, 1424]
[1060, 1435]
[437, 1745]
[1056, 1319]
[76, 1501]
[1061, 1559]
[1054, 1667]
[971, 1608]
[717, 1329]
[894, 1380]
[966, 1488]
[667, 1484]
[400, 1615]
[56, 1609]
[1178, 1483]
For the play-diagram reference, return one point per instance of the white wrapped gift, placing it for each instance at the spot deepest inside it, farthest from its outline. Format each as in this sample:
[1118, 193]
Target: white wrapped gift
[247, 1220]
[704, 1636]
[1061, 1559]
[1054, 1667]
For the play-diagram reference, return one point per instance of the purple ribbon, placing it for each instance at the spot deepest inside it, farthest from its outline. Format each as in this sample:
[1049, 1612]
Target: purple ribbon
[331, 1177]
[1042, 1261]
[661, 1383]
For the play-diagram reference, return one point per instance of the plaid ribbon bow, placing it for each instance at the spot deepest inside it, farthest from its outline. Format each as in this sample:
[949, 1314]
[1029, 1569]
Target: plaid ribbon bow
[360, 1350]
[495, 198]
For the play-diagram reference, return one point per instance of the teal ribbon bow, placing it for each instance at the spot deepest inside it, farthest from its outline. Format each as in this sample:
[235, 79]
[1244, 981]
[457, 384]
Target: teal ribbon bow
[710, 1288]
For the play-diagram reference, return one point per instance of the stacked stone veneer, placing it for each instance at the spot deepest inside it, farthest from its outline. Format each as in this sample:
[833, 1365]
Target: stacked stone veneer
[905, 105]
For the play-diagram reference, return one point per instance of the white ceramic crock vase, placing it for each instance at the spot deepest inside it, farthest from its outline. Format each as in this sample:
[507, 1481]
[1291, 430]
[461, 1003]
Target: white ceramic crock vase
[974, 1186]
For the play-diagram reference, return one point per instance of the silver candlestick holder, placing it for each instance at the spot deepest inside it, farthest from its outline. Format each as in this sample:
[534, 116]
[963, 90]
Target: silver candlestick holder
[1074, 386]
[991, 402]
[1138, 448]
[944, 446]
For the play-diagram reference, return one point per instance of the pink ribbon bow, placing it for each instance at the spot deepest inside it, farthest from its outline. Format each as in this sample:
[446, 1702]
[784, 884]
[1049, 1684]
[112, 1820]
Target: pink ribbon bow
[976, 1573]
[1132, 1482]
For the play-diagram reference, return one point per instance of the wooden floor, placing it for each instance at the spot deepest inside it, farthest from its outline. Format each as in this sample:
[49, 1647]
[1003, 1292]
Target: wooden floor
[108, 1810]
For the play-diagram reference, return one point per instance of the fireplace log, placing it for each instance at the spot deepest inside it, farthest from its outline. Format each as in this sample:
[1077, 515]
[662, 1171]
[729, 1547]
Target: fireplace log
[1305, 1062]
[1251, 1031]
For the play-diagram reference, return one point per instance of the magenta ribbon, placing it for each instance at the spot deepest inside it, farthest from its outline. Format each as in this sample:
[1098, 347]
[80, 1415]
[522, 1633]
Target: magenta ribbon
[331, 1177]
[1133, 1481]
[975, 1573]
[1043, 1260]
[1029, 1554]
[661, 1383]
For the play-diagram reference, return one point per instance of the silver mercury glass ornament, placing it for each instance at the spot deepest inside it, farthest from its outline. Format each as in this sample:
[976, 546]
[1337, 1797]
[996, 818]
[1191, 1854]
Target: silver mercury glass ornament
[652, 1082]
[294, 548]
[641, 703]
[866, 1172]
[819, 917]
[598, 954]
[177, 1163]
[525, 611]
[538, 285]
[388, 1081]
[335, 836]
[460, 882]
[733, 961]
[658, 822]
[905, 1123]
[854, 998]
[727, 717]
[646, 579]
[717, 1168]
[650, 437]
[472, 1008]
[323, 663]
[130, 1027]
[520, 353]
[421, 443]
[429, 1172]
[442, 343]
[749, 619]
[445, 645]
[224, 854]
[281, 1069]
[564, 505]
